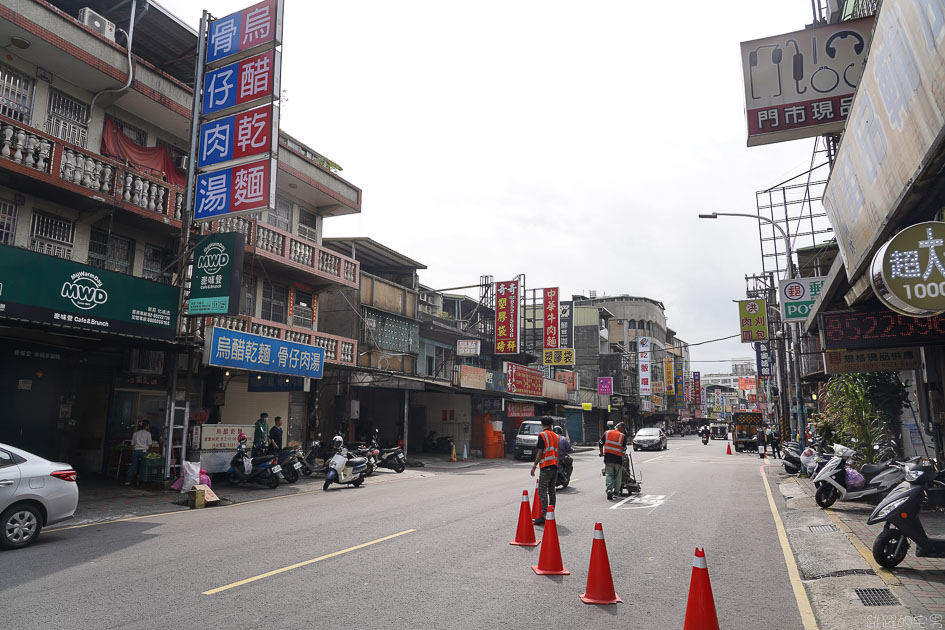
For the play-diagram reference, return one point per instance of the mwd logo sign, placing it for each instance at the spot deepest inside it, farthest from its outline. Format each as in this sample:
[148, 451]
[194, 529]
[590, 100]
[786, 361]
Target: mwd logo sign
[214, 259]
[797, 297]
[84, 290]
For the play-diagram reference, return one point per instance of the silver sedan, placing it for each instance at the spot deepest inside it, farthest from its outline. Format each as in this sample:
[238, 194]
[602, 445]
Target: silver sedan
[34, 492]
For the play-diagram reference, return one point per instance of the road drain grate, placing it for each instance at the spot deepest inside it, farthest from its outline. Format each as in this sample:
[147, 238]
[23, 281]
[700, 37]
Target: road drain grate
[823, 529]
[843, 573]
[876, 597]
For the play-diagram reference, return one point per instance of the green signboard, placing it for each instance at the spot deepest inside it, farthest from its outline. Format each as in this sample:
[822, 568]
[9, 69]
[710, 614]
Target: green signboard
[49, 290]
[217, 275]
[907, 272]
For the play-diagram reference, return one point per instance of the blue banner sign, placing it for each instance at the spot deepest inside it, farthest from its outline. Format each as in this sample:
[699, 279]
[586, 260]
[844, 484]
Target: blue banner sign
[245, 351]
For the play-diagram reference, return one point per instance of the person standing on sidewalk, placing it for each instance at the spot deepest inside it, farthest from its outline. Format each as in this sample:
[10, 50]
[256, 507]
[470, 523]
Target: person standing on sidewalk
[275, 436]
[776, 443]
[612, 446]
[547, 459]
[261, 434]
[140, 445]
[760, 437]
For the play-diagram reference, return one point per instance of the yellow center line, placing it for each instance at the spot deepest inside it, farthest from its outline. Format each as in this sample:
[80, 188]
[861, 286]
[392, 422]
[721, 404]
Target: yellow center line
[261, 576]
[803, 603]
[651, 459]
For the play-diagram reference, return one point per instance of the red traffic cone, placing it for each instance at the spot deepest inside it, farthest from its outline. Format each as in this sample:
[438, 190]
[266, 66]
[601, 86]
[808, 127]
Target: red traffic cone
[536, 504]
[764, 453]
[525, 533]
[700, 609]
[728, 451]
[549, 561]
[600, 583]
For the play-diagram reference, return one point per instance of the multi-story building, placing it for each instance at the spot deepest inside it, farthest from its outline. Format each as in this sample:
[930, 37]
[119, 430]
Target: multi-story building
[92, 161]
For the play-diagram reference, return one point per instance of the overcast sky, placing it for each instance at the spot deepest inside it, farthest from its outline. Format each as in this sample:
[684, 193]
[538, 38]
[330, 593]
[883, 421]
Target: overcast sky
[571, 142]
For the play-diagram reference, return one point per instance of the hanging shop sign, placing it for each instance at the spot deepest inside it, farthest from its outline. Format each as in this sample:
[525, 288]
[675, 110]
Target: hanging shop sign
[552, 325]
[801, 84]
[657, 400]
[907, 273]
[697, 388]
[896, 126]
[506, 317]
[245, 135]
[554, 390]
[558, 356]
[568, 378]
[605, 385]
[519, 410]
[797, 297]
[746, 383]
[245, 351]
[244, 189]
[245, 32]
[680, 384]
[242, 85]
[49, 290]
[851, 330]
[221, 436]
[753, 320]
[668, 383]
[496, 381]
[565, 324]
[873, 360]
[659, 387]
[587, 406]
[646, 405]
[217, 275]
[467, 347]
[523, 380]
[763, 358]
[643, 361]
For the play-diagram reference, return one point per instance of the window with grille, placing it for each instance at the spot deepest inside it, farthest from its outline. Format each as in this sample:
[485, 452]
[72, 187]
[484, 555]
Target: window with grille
[280, 215]
[274, 301]
[115, 253]
[16, 94]
[177, 154]
[248, 303]
[8, 212]
[52, 235]
[308, 225]
[136, 134]
[303, 312]
[155, 260]
[66, 118]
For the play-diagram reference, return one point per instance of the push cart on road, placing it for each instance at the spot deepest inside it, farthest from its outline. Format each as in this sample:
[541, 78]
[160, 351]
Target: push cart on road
[629, 480]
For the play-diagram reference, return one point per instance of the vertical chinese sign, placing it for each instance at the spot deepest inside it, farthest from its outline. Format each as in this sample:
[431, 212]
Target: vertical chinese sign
[551, 318]
[753, 320]
[506, 317]
[643, 358]
[668, 376]
[680, 385]
[763, 358]
[697, 389]
[239, 130]
[565, 325]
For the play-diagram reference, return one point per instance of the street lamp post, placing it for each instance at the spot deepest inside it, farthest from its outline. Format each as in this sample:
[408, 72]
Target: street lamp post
[799, 423]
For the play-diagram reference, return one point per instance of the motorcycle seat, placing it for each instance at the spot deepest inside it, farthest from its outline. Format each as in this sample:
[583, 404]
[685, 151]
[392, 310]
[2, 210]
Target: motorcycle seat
[357, 461]
[870, 470]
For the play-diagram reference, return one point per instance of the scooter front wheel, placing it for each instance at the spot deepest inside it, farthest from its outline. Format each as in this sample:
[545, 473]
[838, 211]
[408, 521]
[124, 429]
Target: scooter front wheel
[886, 545]
[826, 495]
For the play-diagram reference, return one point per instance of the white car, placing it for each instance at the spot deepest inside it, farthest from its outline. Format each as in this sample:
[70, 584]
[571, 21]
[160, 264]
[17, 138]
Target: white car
[34, 492]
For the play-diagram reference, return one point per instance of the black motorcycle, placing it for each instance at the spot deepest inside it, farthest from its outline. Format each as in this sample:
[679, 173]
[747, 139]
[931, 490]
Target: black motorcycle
[900, 510]
[433, 444]
[263, 469]
[564, 472]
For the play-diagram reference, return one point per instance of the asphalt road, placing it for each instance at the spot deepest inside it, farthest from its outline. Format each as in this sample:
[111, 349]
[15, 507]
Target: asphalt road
[450, 566]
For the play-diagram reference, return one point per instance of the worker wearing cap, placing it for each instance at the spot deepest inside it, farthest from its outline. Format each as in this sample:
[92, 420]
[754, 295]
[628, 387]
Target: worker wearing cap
[547, 460]
[612, 446]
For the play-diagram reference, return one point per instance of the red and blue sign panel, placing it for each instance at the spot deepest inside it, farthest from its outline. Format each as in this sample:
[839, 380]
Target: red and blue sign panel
[241, 83]
[241, 189]
[246, 30]
[238, 136]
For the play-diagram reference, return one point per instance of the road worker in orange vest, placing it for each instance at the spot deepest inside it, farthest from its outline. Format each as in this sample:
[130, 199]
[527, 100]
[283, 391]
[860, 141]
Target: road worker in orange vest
[612, 446]
[547, 460]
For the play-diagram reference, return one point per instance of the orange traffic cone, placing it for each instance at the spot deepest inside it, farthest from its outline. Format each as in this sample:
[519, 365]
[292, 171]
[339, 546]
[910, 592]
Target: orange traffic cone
[600, 583]
[525, 533]
[728, 451]
[536, 504]
[453, 454]
[700, 609]
[764, 453]
[549, 561]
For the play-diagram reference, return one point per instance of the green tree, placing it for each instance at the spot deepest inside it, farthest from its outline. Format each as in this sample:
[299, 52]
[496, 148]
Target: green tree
[864, 409]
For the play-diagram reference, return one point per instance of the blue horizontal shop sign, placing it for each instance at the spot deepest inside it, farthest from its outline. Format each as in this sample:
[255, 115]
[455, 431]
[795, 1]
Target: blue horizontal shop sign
[245, 351]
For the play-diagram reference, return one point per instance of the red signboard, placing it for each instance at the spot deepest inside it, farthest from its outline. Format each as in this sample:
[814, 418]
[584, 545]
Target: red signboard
[519, 410]
[697, 388]
[569, 378]
[524, 380]
[551, 318]
[506, 320]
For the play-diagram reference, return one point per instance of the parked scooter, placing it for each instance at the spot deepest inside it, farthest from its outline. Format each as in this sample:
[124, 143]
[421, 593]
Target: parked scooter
[900, 510]
[831, 481]
[288, 460]
[262, 469]
[343, 469]
[316, 460]
[433, 444]
[392, 458]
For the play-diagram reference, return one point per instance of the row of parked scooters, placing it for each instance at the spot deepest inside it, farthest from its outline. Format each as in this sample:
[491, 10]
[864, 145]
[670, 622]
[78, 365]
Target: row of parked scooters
[342, 464]
[902, 486]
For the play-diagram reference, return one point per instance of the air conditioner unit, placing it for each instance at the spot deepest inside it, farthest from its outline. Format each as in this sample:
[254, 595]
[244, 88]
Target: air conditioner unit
[97, 23]
[181, 162]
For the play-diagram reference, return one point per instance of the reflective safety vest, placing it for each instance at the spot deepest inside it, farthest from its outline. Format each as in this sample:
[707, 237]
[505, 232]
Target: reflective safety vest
[549, 456]
[614, 442]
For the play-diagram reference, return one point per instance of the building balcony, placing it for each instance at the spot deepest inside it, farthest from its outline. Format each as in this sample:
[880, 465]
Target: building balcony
[338, 350]
[293, 252]
[51, 168]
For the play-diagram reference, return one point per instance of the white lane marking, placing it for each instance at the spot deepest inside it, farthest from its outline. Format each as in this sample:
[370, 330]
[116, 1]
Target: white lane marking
[642, 502]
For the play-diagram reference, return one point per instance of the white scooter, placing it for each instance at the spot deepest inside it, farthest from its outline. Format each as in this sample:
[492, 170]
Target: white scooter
[343, 469]
[831, 481]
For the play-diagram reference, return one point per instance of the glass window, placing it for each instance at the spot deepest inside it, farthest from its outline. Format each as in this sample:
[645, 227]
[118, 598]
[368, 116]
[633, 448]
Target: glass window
[67, 118]
[52, 235]
[5, 459]
[303, 312]
[281, 215]
[248, 303]
[308, 225]
[16, 94]
[274, 301]
[8, 212]
[155, 260]
[115, 253]
[136, 134]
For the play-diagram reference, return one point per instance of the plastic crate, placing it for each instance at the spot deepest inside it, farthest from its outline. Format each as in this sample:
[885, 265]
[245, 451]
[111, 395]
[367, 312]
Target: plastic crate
[151, 469]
